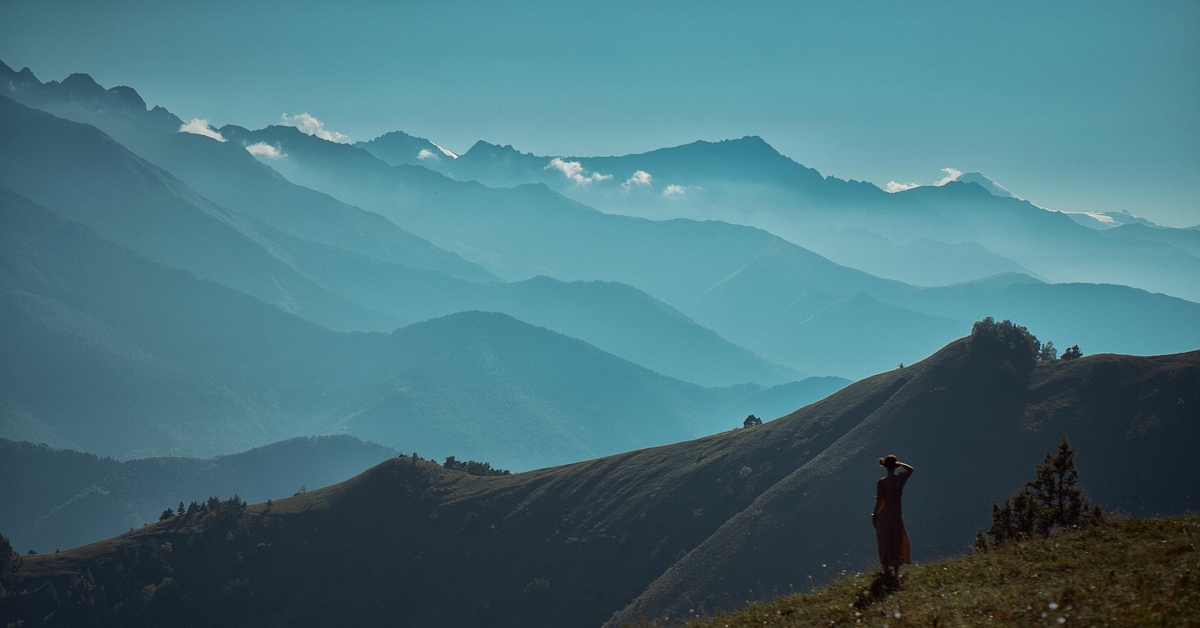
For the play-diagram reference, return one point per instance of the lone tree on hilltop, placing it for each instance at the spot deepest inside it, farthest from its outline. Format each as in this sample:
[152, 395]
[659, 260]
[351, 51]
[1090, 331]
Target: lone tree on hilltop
[1006, 342]
[751, 421]
[1052, 501]
[1072, 353]
[1047, 352]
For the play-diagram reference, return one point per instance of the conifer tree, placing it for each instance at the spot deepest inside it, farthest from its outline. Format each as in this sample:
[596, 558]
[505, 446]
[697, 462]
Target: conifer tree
[6, 551]
[1052, 501]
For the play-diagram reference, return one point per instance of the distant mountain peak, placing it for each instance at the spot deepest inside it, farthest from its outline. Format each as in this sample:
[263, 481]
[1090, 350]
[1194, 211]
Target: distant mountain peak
[746, 146]
[987, 183]
[82, 84]
[1001, 280]
[482, 148]
[25, 76]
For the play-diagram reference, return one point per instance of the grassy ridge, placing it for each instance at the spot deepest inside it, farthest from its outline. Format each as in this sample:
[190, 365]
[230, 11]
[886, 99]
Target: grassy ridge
[1132, 572]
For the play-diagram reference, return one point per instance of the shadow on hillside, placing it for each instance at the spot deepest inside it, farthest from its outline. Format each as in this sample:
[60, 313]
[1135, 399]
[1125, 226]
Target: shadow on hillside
[882, 585]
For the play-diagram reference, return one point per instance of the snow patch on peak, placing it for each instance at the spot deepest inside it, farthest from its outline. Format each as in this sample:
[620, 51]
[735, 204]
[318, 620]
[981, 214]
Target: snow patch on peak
[445, 151]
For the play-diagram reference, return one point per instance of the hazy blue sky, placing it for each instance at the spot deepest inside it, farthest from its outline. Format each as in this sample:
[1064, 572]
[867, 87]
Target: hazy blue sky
[1075, 106]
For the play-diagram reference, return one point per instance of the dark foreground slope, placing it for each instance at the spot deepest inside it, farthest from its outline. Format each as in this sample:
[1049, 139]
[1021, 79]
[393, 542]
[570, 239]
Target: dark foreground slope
[702, 524]
[1134, 572]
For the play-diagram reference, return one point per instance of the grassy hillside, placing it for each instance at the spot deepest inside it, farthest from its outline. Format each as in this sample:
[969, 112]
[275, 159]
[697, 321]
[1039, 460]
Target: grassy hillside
[705, 524]
[1132, 572]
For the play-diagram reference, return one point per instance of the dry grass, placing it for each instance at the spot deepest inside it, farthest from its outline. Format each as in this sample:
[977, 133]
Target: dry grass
[1132, 572]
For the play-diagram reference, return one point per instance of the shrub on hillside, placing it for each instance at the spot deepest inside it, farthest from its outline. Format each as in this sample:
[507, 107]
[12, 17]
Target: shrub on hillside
[472, 467]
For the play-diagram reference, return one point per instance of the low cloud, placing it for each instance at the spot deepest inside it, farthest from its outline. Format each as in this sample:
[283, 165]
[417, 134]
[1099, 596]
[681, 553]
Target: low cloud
[952, 174]
[574, 171]
[200, 126]
[311, 125]
[263, 149]
[676, 190]
[640, 178]
[427, 154]
[894, 187]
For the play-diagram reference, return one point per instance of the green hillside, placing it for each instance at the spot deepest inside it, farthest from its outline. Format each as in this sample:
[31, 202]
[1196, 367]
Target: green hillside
[698, 525]
[1134, 572]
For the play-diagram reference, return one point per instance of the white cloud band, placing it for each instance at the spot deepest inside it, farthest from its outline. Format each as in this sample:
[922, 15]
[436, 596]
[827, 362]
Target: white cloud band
[312, 126]
[200, 126]
[574, 171]
[263, 149]
[641, 178]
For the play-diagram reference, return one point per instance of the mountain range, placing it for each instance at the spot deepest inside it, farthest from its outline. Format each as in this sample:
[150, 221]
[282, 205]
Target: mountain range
[962, 230]
[699, 301]
[352, 290]
[199, 368]
[752, 287]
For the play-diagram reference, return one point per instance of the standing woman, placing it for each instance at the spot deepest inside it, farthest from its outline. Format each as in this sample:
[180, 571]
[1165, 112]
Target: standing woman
[888, 518]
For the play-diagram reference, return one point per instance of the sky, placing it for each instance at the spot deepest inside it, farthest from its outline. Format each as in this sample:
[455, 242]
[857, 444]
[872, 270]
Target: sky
[1076, 106]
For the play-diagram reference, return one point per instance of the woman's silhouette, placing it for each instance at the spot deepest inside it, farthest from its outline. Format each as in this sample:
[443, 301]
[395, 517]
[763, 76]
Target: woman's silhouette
[888, 518]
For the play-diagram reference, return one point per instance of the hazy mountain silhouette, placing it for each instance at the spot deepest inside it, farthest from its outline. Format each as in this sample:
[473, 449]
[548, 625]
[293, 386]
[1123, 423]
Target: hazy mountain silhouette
[929, 235]
[56, 498]
[226, 173]
[1108, 220]
[746, 284]
[699, 525]
[368, 294]
[1183, 239]
[349, 171]
[398, 148]
[84, 175]
[110, 352]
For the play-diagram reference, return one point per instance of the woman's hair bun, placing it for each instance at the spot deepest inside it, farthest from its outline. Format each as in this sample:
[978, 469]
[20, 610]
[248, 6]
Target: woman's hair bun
[888, 462]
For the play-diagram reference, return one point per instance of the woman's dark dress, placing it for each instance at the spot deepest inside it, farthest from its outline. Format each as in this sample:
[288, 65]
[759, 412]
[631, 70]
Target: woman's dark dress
[889, 521]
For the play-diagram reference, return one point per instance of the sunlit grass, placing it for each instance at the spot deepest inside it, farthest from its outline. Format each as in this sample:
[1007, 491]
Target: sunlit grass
[1133, 572]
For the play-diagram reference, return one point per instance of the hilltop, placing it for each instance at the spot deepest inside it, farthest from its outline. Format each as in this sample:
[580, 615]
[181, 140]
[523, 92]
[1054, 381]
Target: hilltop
[1129, 573]
[704, 524]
